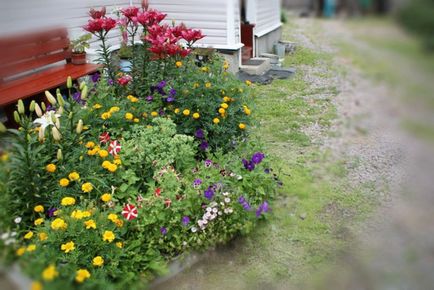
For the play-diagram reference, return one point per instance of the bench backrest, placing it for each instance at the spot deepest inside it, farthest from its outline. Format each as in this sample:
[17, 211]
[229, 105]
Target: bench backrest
[25, 53]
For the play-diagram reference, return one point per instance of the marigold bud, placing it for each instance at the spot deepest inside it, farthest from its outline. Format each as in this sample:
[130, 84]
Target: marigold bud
[21, 108]
[69, 82]
[79, 126]
[50, 98]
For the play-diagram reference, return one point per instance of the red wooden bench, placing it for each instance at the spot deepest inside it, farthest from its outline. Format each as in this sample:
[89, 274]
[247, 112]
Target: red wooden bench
[35, 62]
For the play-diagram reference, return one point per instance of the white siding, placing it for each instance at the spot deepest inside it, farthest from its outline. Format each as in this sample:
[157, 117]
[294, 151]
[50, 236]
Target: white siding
[267, 16]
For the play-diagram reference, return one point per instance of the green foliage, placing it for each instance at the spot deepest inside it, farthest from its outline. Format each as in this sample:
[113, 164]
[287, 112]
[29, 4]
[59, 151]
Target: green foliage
[80, 44]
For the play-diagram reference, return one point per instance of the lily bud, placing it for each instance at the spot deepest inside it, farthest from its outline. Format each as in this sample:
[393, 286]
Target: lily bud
[38, 110]
[71, 114]
[32, 106]
[56, 134]
[79, 127]
[50, 98]
[53, 118]
[43, 106]
[60, 100]
[60, 111]
[82, 84]
[59, 154]
[17, 117]
[41, 135]
[84, 92]
[3, 128]
[69, 82]
[57, 123]
[21, 108]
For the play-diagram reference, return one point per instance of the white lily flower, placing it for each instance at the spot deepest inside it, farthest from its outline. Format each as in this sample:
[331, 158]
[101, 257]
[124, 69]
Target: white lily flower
[46, 120]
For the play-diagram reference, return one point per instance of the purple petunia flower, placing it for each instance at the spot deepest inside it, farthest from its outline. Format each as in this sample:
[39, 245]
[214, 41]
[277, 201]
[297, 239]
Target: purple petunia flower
[249, 165]
[149, 98]
[95, 77]
[197, 182]
[199, 134]
[203, 146]
[262, 209]
[51, 211]
[208, 163]
[161, 112]
[77, 98]
[172, 92]
[110, 82]
[209, 193]
[258, 157]
[163, 231]
[267, 170]
[185, 220]
[170, 99]
[242, 200]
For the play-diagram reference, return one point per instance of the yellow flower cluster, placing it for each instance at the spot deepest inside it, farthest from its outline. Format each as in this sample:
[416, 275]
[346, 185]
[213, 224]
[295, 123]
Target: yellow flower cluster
[58, 224]
[93, 151]
[112, 167]
[108, 114]
[114, 219]
[132, 99]
[103, 153]
[247, 111]
[66, 201]
[87, 187]
[79, 214]
[68, 247]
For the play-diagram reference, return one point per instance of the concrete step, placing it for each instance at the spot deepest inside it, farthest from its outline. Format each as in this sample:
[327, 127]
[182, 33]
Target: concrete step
[256, 66]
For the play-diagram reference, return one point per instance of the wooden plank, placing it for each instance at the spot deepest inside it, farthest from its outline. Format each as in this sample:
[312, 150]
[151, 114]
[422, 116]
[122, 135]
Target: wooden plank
[39, 82]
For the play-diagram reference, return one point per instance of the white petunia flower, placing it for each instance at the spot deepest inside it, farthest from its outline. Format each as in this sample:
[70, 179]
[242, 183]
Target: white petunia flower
[194, 229]
[227, 200]
[17, 220]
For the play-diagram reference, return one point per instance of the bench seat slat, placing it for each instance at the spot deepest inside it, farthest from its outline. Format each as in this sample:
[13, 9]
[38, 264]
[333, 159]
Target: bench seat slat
[44, 80]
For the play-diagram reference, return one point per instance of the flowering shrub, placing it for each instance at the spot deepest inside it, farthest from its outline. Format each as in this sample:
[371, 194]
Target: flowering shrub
[125, 172]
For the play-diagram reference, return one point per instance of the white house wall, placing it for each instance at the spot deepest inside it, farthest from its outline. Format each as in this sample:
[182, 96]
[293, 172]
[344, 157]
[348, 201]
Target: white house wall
[267, 16]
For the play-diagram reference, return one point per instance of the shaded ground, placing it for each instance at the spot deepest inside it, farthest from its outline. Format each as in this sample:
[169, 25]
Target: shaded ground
[355, 209]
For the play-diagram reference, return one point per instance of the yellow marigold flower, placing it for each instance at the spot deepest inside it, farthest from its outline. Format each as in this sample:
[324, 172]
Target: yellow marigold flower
[97, 106]
[68, 247]
[112, 167]
[86, 213]
[177, 110]
[120, 245]
[242, 126]
[129, 116]
[108, 236]
[87, 187]
[98, 261]
[186, 112]
[226, 99]
[133, 99]
[42, 236]
[154, 114]
[114, 109]
[64, 182]
[225, 65]
[178, 64]
[38, 208]
[31, 248]
[90, 145]
[216, 121]
[117, 161]
[196, 85]
[224, 106]
[103, 153]
[49, 273]
[58, 224]
[106, 115]
[196, 116]
[249, 83]
[74, 176]
[94, 151]
[208, 85]
[36, 285]
[82, 275]
[106, 197]
[28, 236]
[136, 120]
[247, 111]
[112, 217]
[20, 251]
[106, 164]
[77, 214]
[90, 224]
[66, 201]
[222, 111]
[39, 221]
[51, 168]
[205, 69]
[119, 223]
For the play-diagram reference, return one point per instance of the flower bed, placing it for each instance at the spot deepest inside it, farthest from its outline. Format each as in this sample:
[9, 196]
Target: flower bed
[120, 174]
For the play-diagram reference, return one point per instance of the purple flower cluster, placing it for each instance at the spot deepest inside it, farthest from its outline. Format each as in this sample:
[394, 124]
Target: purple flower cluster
[169, 98]
[77, 98]
[199, 134]
[209, 193]
[242, 200]
[262, 209]
[255, 160]
[96, 77]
